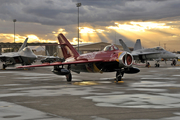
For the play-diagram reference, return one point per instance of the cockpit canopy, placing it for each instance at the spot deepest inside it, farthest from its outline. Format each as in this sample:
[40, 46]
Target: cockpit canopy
[110, 48]
[158, 48]
[26, 49]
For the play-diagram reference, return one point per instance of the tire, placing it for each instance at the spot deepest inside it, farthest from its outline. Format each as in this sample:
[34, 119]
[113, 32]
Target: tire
[69, 77]
[4, 66]
[158, 65]
[118, 78]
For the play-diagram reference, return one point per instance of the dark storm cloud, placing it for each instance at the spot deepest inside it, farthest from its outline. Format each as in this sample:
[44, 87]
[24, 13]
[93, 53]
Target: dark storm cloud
[101, 12]
[64, 12]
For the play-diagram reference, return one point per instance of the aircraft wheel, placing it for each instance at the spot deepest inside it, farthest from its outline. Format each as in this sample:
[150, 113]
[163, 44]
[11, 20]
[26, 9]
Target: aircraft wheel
[119, 76]
[69, 77]
[158, 65]
[148, 64]
[4, 66]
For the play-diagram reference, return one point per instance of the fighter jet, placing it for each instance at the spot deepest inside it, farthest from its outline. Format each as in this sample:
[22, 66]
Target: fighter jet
[110, 59]
[143, 55]
[24, 56]
[51, 59]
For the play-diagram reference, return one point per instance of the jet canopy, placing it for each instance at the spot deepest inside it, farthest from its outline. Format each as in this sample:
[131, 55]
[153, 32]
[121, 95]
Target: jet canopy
[158, 48]
[110, 48]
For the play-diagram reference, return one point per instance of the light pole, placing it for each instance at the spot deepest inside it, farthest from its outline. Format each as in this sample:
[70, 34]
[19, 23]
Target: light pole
[78, 5]
[14, 29]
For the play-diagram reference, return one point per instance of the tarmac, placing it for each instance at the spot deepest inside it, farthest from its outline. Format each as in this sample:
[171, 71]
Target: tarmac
[38, 94]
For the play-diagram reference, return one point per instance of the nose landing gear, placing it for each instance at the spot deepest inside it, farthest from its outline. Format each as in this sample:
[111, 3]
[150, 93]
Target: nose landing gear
[119, 75]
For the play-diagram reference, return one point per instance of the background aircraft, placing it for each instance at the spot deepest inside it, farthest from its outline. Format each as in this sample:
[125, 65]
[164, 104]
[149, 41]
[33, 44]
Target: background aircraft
[51, 59]
[111, 59]
[157, 53]
[24, 56]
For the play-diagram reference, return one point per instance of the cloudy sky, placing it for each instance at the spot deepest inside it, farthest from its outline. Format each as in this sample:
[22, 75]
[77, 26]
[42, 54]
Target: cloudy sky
[153, 21]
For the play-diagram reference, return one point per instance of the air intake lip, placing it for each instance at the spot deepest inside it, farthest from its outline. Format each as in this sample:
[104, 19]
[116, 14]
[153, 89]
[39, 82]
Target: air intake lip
[125, 59]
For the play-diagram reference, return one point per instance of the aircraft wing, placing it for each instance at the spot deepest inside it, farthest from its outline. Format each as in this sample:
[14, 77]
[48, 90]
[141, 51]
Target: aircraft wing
[63, 63]
[9, 55]
[144, 53]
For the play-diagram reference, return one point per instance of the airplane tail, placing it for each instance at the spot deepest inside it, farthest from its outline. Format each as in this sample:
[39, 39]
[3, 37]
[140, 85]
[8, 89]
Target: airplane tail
[124, 46]
[67, 49]
[47, 53]
[137, 45]
[23, 45]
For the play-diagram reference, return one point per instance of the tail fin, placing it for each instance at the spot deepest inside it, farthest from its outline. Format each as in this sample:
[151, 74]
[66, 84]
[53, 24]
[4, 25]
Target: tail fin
[124, 46]
[137, 45]
[67, 49]
[23, 45]
[47, 53]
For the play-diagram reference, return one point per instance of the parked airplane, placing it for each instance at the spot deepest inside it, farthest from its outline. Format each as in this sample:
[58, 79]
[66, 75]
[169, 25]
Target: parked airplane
[157, 53]
[111, 59]
[51, 59]
[24, 56]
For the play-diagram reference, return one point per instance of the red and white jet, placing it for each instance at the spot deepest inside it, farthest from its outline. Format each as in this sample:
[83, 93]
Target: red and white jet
[110, 59]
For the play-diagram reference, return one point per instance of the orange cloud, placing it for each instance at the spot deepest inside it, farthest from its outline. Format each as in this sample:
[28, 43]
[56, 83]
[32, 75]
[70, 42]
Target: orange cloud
[19, 38]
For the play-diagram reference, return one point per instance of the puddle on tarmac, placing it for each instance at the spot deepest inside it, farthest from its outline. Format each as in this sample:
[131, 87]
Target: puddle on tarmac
[13, 84]
[174, 68]
[155, 84]
[31, 78]
[136, 101]
[176, 75]
[159, 78]
[106, 78]
[10, 72]
[149, 90]
[58, 91]
[17, 112]
[168, 118]
[98, 118]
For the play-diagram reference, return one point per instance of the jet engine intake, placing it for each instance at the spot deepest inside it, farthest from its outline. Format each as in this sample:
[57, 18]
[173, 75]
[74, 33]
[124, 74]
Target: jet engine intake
[125, 59]
[60, 71]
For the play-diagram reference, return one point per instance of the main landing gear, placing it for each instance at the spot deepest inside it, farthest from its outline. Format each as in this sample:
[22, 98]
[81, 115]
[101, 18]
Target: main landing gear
[173, 63]
[69, 77]
[4, 66]
[157, 64]
[147, 64]
[119, 75]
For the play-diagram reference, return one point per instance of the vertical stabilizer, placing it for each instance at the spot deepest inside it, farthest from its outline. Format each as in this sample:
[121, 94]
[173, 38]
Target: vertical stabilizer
[47, 53]
[67, 49]
[137, 45]
[124, 46]
[23, 45]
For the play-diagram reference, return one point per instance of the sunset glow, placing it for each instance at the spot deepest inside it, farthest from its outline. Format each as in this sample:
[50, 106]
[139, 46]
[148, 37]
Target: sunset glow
[20, 39]
[138, 26]
[150, 33]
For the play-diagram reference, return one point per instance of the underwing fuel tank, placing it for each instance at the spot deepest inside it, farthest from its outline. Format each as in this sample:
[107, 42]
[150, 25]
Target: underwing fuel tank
[60, 71]
[131, 70]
